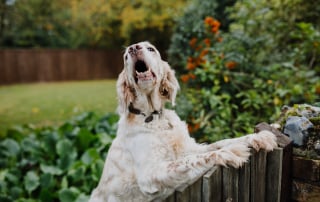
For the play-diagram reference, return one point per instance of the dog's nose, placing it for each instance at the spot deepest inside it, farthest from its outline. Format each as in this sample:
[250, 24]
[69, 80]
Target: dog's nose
[133, 50]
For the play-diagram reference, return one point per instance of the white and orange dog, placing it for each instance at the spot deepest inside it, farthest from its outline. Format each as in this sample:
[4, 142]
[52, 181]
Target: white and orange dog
[153, 154]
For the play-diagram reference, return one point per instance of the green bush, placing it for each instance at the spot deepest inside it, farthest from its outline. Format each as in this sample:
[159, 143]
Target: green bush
[55, 164]
[191, 25]
[234, 80]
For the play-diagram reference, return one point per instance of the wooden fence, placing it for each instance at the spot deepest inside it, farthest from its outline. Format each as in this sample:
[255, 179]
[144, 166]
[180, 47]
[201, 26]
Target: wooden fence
[34, 65]
[265, 178]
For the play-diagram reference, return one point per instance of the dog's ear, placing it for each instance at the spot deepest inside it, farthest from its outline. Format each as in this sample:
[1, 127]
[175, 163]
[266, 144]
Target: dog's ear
[169, 84]
[126, 92]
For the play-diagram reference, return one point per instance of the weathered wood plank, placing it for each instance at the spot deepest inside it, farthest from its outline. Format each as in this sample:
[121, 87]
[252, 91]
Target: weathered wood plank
[171, 198]
[286, 182]
[212, 181]
[195, 191]
[306, 169]
[258, 176]
[285, 143]
[183, 194]
[230, 181]
[274, 175]
[244, 183]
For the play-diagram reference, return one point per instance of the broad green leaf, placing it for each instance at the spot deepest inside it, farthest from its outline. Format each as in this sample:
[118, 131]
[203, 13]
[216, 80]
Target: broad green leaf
[49, 142]
[47, 180]
[31, 144]
[78, 173]
[64, 147]
[66, 129]
[10, 147]
[104, 138]
[31, 181]
[68, 194]
[90, 156]
[51, 169]
[96, 169]
[16, 192]
[11, 177]
[84, 139]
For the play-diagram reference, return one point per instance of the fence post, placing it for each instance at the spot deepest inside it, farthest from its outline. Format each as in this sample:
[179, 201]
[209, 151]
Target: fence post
[244, 183]
[274, 175]
[212, 181]
[230, 184]
[286, 175]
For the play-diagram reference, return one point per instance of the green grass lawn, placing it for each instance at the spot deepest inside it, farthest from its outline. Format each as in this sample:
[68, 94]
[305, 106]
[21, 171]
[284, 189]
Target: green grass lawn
[52, 103]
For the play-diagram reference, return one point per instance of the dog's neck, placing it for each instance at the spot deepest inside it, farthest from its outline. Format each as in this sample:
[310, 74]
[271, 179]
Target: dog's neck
[147, 105]
[148, 116]
[148, 102]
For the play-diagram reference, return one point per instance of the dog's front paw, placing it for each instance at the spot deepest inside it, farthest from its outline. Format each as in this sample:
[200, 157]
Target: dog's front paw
[263, 140]
[235, 155]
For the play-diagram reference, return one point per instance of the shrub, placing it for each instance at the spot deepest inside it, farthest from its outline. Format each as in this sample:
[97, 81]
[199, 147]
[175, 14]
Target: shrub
[55, 164]
[190, 25]
[234, 80]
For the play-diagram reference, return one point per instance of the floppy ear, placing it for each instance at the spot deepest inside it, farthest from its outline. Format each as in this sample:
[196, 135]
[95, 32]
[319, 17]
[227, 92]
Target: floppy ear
[169, 84]
[126, 92]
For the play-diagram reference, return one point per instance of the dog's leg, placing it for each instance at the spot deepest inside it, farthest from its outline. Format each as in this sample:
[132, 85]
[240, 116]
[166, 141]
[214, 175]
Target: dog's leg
[161, 180]
[262, 140]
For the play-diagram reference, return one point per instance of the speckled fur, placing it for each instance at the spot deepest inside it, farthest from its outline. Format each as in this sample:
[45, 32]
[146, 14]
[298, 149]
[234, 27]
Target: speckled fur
[148, 161]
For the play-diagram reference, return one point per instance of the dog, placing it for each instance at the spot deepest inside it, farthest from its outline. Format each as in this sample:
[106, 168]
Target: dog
[153, 153]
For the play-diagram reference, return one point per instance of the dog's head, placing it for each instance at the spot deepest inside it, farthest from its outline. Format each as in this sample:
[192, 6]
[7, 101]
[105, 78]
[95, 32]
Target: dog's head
[145, 73]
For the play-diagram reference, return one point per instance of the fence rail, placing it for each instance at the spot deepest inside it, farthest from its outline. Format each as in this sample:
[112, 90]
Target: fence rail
[265, 178]
[34, 65]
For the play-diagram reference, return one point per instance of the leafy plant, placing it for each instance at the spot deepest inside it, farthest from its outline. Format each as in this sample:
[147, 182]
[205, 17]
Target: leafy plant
[55, 164]
[191, 25]
[233, 80]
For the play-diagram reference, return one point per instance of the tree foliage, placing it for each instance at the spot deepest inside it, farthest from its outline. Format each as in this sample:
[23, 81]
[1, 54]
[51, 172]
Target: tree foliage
[87, 23]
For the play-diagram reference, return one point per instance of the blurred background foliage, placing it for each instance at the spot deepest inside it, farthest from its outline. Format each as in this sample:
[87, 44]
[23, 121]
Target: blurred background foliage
[86, 23]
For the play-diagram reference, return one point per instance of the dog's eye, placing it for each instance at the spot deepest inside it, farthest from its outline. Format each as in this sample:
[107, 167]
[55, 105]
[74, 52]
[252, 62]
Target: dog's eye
[150, 49]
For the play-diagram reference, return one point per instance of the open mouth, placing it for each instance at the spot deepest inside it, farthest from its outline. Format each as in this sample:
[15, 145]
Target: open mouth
[143, 72]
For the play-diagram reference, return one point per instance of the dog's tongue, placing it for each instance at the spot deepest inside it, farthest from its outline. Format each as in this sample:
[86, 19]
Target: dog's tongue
[144, 76]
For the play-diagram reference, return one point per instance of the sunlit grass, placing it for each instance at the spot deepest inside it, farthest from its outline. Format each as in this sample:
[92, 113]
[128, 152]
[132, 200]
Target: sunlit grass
[53, 103]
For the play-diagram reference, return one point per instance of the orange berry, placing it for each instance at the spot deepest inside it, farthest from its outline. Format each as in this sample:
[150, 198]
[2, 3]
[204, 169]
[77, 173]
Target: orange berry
[184, 78]
[216, 23]
[231, 64]
[190, 66]
[214, 29]
[193, 42]
[192, 76]
[207, 41]
[208, 20]
[203, 53]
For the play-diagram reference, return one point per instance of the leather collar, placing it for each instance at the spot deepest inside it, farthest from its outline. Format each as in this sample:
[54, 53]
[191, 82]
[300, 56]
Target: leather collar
[138, 112]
